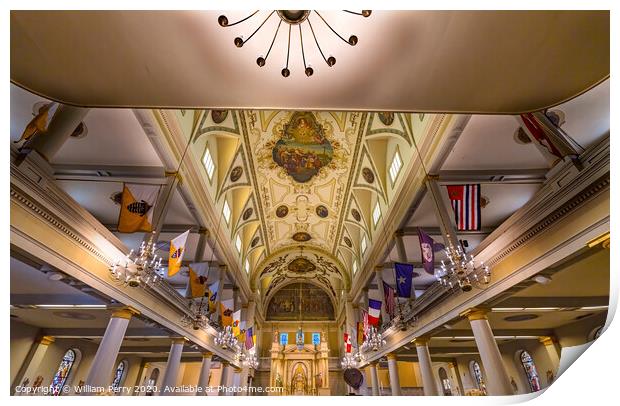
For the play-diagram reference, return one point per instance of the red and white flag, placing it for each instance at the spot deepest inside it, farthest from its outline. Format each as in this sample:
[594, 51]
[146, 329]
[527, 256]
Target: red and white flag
[390, 301]
[374, 312]
[347, 342]
[365, 320]
[466, 205]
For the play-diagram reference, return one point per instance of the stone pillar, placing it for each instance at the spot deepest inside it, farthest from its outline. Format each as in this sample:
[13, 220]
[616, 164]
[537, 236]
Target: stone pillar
[102, 367]
[552, 350]
[243, 381]
[379, 278]
[393, 371]
[374, 378]
[426, 366]
[498, 382]
[236, 381]
[65, 121]
[226, 378]
[172, 366]
[33, 362]
[205, 370]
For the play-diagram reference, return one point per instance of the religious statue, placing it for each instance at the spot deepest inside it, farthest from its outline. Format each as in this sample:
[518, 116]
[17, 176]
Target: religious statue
[319, 380]
[278, 380]
[276, 336]
[299, 381]
[299, 339]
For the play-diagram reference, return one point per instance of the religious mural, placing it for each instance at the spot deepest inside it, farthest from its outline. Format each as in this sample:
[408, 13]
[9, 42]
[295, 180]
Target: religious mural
[315, 304]
[303, 149]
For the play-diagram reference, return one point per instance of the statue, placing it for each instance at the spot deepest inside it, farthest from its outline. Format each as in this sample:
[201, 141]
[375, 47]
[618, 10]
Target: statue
[278, 380]
[276, 336]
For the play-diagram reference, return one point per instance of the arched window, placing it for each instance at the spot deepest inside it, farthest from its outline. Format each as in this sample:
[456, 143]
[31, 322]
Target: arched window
[61, 375]
[119, 375]
[151, 382]
[476, 373]
[530, 371]
[445, 382]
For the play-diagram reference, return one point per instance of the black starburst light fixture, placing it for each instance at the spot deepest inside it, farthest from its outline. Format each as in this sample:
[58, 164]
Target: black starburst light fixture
[293, 18]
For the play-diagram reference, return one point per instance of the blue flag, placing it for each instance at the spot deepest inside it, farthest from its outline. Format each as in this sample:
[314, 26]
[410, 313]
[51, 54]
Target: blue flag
[404, 277]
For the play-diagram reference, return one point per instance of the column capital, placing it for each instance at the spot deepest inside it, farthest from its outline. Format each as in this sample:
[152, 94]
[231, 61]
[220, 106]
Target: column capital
[475, 313]
[421, 341]
[178, 340]
[237, 369]
[46, 340]
[399, 233]
[547, 340]
[125, 312]
[392, 356]
[224, 363]
[379, 268]
[207, 354]
[374, 363]
[177, 175]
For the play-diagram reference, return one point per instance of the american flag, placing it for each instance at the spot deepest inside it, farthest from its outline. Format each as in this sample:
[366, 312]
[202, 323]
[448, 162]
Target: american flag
[365, 319]
[390, 302]
[466, 205]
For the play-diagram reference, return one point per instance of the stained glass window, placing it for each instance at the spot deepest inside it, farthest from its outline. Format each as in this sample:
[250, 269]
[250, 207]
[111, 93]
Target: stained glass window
[284, 338]
[530, 371]
[316, 338]
[477, 373]
[61, 375]
[118, 376]
[445, 382]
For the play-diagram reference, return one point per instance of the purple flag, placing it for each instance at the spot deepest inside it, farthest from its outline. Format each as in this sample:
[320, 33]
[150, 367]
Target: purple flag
[427, 248]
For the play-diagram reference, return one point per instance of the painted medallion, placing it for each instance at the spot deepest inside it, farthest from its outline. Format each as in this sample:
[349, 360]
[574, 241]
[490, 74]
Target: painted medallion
[301, 236]
[321, 211]
[219, 116]
[236, 173]
[247, 213]
[356, 215]
[282, 211]
[347, 241]
[255, 241]
[301, 265]
[303, 149]
[368, 175]
[386, 117]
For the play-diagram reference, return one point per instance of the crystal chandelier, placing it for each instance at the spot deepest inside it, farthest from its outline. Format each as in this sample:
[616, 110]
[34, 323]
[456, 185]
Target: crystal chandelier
[198, 316]
[351, 361]
[293, 18]
[141, 268]
[248, 359]
[374, 340]
[462, 271]
[226, 340]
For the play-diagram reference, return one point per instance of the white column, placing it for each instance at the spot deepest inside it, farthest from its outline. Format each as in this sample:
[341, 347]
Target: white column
[498, 382]
[236, 381]
[226, 378]
[33, 362]
[243, 380]
[205, 370]
[102, 367]
[374, 378]
[426, 366]
[552, 351]
[172, 367]
[393, 371]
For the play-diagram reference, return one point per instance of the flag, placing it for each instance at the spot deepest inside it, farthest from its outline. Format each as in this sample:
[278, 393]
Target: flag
[236, 323]
[198, 274]
[212, 294]
[427, 248]
[41, 122]
[241, 336]
[226, 307]
[365, 320]
[347, 342]
[466, 205]
[540, 134]
[177, 250]
[361, 332]
[137, 203]
[374, 312]
[249, 339]
[404, 279]
[390, 304]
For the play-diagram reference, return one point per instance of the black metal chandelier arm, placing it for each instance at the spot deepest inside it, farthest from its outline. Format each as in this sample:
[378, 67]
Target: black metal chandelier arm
[364, 13]
[223, 20]
[319, 47]
[262, 60]
[239, 42]
[286, 72]
[352, 39]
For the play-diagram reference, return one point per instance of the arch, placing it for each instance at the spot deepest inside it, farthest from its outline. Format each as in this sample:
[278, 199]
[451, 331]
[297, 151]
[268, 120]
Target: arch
[66, 369]
[151, 381]
[446, 385]
[529, 369]
[476, 376]
[119, 375]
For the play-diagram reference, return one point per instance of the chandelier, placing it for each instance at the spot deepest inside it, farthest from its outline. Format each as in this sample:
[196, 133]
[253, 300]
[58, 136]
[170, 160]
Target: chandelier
[462, 271]
[226, 339]
[141, 268]
[292, 18]
[374, 340]
[248, 359]
[198, 316]
[351, 361]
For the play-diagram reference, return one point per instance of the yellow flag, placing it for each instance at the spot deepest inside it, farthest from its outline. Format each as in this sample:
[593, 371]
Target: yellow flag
[226, 309]
[40, 123]
[236, 326]
[197, 280]
[212, 293]
[177, 250]
[137, 203]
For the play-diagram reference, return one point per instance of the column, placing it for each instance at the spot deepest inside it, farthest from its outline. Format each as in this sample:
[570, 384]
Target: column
[393, 371]
[374, 378]
[102, 367]
[236, 380]
[65, 121]
[498, 382]
[379, 273]
[226, 378]
[33, 362]
[552, 350]
[205, 370]
[172, 366]
[243, 381]
[426, 366]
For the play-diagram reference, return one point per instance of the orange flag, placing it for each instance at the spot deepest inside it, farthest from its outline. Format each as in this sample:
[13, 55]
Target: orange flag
[40, 123]
[177, 250]
[137, 203]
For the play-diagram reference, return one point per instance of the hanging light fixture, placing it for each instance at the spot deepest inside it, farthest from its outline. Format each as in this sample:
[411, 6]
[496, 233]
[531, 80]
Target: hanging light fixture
[247, 359]
[226, 340]
[292, 18]
[351, 360]
[374, 340]
[463, 270]
[141, 268]
[198, 317]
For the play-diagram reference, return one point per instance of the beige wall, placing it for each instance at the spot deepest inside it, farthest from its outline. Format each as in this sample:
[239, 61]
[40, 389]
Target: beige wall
[22, 338]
